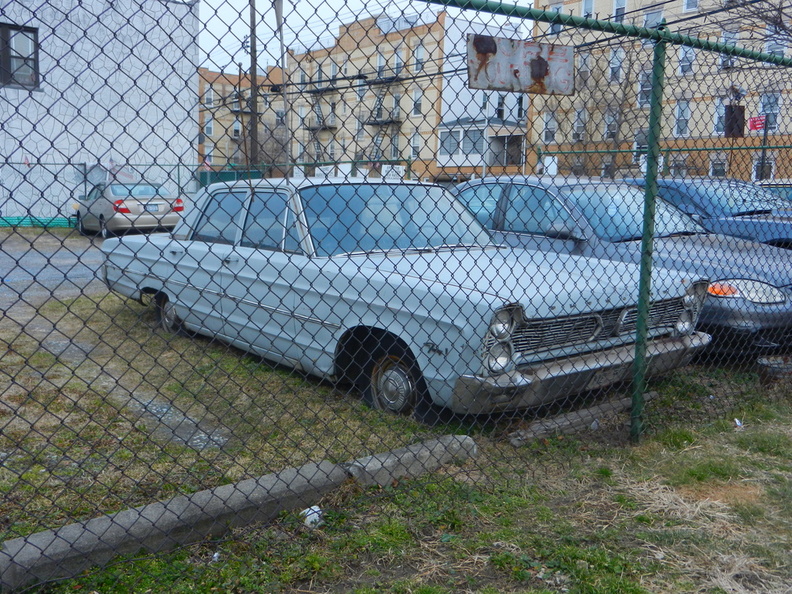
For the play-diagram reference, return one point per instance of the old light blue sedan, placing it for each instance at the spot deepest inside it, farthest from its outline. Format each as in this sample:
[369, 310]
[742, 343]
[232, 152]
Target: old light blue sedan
[398, 289]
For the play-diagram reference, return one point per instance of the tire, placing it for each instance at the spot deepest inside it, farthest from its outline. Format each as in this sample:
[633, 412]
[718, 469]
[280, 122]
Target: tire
[81, 227]
[166, 313]
[103, 230]
[390, 380]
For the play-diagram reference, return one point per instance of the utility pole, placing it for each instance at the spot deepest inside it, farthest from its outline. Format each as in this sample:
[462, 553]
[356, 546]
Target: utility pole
[253, 155]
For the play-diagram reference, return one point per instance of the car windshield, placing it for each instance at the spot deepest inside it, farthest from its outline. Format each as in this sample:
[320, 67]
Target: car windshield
[731, 198]
[355, 218]
[615, 212]
[136, 190]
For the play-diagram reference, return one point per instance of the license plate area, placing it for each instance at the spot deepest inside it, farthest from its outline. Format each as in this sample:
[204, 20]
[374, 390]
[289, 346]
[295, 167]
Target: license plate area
[152, 207]
[606, 377]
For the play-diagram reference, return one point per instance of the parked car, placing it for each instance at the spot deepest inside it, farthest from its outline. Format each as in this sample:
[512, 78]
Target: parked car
[730, 207]
[109, 209]
[780, 187]
[398, 289]
[748, 307]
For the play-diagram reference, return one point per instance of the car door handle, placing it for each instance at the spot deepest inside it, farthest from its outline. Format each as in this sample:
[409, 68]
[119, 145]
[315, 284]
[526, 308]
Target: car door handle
[230, 260]
[175, 252]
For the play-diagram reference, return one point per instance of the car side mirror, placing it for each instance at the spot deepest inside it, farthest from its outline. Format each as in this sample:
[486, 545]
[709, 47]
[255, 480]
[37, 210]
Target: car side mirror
[564, 230]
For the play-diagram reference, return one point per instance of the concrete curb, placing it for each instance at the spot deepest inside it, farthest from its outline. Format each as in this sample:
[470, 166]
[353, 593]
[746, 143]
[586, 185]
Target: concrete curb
[186, 519]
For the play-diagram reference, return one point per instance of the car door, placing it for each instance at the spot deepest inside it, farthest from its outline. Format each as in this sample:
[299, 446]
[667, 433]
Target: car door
[202, 260]
[260, 279]
[89, 207]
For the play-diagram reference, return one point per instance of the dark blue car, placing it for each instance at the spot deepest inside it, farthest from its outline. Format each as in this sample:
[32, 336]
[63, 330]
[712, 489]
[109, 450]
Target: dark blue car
[730, 207]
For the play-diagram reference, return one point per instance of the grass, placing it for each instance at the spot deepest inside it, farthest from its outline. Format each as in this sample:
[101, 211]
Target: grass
[702, 504]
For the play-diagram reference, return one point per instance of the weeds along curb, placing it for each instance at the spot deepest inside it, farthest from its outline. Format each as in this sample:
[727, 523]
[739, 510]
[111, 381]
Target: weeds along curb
[186, 519]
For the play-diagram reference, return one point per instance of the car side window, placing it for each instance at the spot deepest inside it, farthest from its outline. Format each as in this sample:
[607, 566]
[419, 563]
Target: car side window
[678, 198]
[482, 201]
[534, 210]
[94, 194]
[220, 220]
[264, 226]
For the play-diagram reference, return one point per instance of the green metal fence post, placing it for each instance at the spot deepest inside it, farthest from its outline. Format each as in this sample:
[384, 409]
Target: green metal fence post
[645, 284]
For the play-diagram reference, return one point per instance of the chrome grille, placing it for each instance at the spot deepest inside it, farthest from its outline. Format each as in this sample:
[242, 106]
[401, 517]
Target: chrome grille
[543, 335]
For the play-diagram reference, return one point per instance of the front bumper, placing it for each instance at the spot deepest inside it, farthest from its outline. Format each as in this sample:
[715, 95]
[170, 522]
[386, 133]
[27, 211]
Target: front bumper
[740, 327]
[538, 384]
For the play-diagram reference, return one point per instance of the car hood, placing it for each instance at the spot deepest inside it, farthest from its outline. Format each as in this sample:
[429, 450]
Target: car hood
[776, 226]
[717, 257]
[547, 284]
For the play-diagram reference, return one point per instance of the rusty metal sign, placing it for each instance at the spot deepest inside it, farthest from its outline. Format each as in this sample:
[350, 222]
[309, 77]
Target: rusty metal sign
[500, 64]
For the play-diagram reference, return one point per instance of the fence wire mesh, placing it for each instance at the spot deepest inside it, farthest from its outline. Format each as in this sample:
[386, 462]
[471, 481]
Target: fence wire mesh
[282, 292]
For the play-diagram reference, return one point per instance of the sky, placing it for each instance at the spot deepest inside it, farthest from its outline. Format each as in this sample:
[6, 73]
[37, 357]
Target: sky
[225, 26]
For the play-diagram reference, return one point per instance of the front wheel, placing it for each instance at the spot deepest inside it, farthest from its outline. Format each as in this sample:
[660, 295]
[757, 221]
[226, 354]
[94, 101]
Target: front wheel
[81, 226]
[391, 380]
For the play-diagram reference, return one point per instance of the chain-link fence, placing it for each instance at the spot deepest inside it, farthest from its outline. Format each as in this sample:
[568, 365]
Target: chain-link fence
[348, 259]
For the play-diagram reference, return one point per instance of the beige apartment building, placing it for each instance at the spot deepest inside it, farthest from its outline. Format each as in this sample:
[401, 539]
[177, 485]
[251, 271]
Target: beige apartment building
[388, 94]
[225, 119]
[709, 99]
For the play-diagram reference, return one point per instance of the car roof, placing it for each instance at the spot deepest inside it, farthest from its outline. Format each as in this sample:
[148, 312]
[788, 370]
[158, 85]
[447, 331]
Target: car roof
[545, 181]
[302, 182]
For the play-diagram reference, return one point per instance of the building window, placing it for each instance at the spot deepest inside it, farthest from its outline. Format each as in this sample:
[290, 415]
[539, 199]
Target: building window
[381, 64]
[209, 155]
[415, 145]
[280, 117]
[587, 9]
[361, 89]
[417, 101]
[769, 107]
[398, 62]
[550, 128]
[209, 126]
[209, 97]
[687, 57]
[584, 66]
[579, 127]
[556, 28]
[682, 123]
[395, 149]
[396, 109]
[640, 145]
[611, 124]
[473, 142]
[301, 115]
[719, 123]
[484, 101]
[418, 58]
[319, 77]
[449, 142]
[333, 71]
[19, 56]
[652, 19]
[729, 38]
[644, 88]
[520, 107]
[619, 8]
[718, 167]
[500, 108]
[615, 64]
[236, 130]
[679, 166]
[775, 42]
[690, 5]
[763, 167]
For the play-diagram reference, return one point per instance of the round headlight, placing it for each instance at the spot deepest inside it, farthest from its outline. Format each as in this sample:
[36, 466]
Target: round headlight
[684, 324]
[750, 290]
[499, 357]
[502, 324]
[690, 300]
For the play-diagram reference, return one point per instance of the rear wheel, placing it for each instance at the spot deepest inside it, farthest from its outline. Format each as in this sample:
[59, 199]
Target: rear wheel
[168, 318]
[103, 230]
[390, 380]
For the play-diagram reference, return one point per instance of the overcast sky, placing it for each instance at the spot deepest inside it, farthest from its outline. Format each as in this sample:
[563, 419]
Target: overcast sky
[225, 25]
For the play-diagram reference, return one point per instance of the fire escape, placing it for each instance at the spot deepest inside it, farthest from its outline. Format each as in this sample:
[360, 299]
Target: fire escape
[384, 119]
[323, 100]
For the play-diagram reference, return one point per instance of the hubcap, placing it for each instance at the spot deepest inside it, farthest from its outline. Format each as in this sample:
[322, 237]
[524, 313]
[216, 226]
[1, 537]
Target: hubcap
[394, 386]
[169, 315]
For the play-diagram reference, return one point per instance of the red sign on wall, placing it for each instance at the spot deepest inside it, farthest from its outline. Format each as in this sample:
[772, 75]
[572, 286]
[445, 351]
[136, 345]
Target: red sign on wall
[756, 123]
